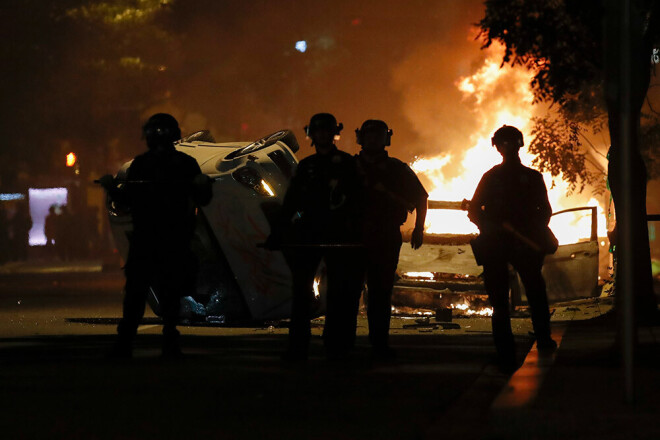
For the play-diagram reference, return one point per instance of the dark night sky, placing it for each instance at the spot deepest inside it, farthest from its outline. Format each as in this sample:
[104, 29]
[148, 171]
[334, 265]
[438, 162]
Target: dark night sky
[81, 80]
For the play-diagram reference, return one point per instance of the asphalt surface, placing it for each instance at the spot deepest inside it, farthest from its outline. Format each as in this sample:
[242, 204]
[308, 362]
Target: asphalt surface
[55, 329]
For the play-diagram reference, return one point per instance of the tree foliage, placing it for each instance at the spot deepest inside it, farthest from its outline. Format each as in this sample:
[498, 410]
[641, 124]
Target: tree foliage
[561, 42]
[558, 40]
[81, 74]
[558, 150]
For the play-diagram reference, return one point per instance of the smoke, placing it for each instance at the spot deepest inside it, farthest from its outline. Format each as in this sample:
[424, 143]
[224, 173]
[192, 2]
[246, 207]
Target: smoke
[431, 102]
[396, 61]
[232, 67]
[455, 93]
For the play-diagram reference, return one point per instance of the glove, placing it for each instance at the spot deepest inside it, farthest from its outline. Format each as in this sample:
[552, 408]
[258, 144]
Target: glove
[417, 238]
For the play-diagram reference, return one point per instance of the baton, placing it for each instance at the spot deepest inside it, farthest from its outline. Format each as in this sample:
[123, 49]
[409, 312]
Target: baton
[316, 246]
[441, 204]
[528, 241]
[98, 182]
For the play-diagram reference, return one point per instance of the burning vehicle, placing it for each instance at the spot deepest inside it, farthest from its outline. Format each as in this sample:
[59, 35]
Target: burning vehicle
[237, 280]
[444, 273]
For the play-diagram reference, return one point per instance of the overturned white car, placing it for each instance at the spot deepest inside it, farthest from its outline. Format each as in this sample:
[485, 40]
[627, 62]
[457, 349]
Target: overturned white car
[237, 280]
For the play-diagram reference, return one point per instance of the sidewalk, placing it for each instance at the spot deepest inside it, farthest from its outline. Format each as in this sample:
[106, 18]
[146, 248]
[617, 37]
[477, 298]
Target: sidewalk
[577, 393]
[582, 395]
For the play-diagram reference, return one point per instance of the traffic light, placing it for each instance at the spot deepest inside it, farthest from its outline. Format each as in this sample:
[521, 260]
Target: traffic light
[71, 159]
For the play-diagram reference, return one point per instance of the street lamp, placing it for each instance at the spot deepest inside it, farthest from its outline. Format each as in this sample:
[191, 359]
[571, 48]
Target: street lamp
[71, 159]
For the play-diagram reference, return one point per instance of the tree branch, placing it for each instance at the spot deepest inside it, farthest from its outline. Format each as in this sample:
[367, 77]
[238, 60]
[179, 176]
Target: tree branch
[599, 168]
[592, 146]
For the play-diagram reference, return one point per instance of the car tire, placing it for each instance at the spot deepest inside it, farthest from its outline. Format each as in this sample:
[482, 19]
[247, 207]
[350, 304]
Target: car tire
[285, 136]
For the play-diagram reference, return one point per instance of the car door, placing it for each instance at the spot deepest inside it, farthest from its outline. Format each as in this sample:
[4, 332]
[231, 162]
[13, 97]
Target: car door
[572, 271]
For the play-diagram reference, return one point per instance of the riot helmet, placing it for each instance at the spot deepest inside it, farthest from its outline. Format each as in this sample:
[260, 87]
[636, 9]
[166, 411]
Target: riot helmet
[374, 126]
[161, 130]
[507, 134]
[324, 121]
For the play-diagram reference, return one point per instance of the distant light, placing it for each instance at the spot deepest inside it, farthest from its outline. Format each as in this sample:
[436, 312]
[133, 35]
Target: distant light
[70, 159]
[301, 46]
[41, 199]
[11, 196]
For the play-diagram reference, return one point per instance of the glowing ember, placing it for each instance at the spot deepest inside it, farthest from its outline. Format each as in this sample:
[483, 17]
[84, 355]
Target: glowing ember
[495, 109]
[465, 308]
[425, 276]
[410, 311]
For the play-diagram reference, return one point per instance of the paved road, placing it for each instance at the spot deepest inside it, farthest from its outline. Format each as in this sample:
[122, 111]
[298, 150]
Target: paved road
[56, 328]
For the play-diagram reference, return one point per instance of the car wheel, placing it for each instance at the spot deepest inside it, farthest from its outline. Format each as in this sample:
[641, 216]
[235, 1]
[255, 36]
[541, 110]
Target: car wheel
[285, 136]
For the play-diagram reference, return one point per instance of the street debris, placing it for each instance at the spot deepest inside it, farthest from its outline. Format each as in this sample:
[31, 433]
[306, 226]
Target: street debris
[432, 325]
[191, 309]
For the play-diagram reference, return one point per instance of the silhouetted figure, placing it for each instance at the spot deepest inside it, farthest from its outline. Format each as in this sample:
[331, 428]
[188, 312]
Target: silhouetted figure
[392, 190]
[323, 198]
[20, 225]
[50, 228]
[92, 236]
[511, 209]
[65, 234]
[163, 187]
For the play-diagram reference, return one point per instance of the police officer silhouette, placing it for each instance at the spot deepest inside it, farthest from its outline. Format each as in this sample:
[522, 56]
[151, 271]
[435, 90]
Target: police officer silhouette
[320, 221]
[392, 190]
[510, 206]
[162, 190]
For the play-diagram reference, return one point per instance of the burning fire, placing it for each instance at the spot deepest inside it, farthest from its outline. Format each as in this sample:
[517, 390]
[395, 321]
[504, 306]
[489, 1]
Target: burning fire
[422, 276]
[516, 108]
[486, 311]
[317, 283]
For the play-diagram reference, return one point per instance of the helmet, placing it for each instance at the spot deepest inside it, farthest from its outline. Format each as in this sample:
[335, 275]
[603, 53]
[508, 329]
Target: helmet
[507, 133]
[161, 129]
[371, 125]
[323, 120]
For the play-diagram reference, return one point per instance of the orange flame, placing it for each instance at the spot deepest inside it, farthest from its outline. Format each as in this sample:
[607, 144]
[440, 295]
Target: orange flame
[494, 109]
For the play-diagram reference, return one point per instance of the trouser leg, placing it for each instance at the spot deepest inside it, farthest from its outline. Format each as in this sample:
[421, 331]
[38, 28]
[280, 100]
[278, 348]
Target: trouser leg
[381, 268]
[529, 268]
[303, 271]
[351, 300]
[496, 280]
[170, 308]
[135, 295]
[344, 288]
